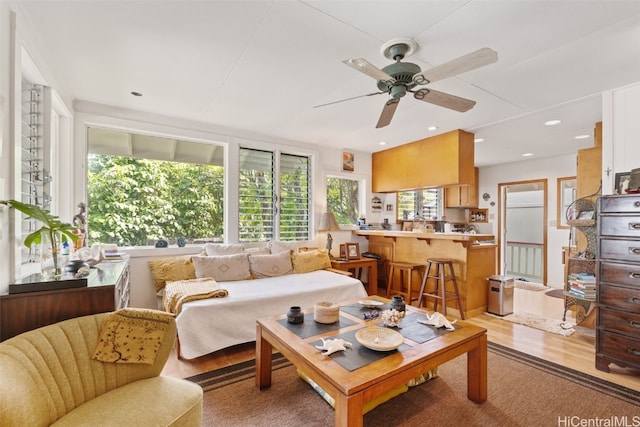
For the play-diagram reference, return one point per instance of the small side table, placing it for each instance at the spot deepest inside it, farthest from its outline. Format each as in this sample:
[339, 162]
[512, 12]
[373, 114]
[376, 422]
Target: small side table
[370, 263]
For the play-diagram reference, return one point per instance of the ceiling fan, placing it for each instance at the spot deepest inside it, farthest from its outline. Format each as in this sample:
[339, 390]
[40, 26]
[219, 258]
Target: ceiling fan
[401, 77]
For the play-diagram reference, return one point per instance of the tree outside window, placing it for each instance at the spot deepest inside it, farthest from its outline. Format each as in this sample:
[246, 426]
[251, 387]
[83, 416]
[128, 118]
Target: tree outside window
[343, 199]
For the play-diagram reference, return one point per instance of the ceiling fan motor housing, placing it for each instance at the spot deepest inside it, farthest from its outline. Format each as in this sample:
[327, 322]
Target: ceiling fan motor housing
[403, 73]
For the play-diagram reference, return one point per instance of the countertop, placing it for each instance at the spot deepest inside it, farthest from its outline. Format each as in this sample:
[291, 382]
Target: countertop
[458, 237]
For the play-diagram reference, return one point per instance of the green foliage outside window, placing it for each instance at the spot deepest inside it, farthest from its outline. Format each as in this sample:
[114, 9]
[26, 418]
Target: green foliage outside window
[134, 202]
[343, 199]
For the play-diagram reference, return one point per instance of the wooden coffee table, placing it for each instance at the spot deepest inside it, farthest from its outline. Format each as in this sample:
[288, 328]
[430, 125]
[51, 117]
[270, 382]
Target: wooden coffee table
[351, 389]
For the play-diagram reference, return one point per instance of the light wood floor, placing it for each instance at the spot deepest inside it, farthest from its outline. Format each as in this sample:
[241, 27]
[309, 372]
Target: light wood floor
[576, 351]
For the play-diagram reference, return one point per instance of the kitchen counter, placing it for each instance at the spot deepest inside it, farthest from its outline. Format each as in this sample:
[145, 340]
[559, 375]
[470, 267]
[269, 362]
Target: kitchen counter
[474, 257]
[466, 239]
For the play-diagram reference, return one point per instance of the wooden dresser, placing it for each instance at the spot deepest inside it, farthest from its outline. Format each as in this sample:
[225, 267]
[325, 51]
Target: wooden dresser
[618, 282]
[107, 290]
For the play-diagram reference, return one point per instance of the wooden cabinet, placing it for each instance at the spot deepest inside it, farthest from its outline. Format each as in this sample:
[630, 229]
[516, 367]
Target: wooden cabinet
[462, 196]
[439, 161]
[107, 290]
[618, 288]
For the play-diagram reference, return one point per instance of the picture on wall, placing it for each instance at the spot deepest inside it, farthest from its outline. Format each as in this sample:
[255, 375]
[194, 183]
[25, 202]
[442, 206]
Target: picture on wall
[347, 161]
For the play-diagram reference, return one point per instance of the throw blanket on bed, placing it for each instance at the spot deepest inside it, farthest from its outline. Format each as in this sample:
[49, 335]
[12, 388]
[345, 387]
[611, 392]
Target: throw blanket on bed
[182, 291]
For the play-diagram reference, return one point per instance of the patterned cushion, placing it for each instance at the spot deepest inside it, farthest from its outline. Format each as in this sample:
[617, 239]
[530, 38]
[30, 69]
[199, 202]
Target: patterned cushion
[131, 336]
[214, 249]
[305, 262]
[277, 246]
[270, 265]
[225, 268]
[170, 269]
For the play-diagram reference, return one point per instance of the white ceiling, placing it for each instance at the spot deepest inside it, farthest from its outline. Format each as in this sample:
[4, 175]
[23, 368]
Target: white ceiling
[260, 66]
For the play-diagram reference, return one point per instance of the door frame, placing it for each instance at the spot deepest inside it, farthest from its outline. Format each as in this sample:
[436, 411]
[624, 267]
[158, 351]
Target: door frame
[501, 221]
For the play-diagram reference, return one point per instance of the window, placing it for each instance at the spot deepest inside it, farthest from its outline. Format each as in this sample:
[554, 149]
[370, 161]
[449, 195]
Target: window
[274, 196]
[164, 189]
[427, 204]
[343, 199]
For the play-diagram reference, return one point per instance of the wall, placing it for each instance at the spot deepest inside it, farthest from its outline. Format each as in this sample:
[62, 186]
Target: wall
[620, 112]
[548, 168]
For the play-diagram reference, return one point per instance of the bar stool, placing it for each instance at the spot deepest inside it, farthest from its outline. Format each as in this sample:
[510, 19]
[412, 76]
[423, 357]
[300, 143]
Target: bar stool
[440, 292]
[405, 270]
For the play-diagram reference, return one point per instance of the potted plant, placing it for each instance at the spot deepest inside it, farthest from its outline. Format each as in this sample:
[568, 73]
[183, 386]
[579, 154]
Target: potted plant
[50, 235]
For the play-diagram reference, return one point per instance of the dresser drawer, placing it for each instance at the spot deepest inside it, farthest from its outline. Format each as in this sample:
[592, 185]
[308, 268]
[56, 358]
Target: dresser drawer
[619, 274]
[621, 298]
[621, 249]
[620, 225]
[625, 203]
[618, 347]
[623, 322]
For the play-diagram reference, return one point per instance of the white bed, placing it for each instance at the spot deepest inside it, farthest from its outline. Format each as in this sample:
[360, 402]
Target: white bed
[205, 326]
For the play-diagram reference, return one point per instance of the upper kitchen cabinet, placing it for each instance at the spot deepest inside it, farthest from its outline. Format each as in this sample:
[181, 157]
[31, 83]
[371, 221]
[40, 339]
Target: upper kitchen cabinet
[440, 161]
[462, 196]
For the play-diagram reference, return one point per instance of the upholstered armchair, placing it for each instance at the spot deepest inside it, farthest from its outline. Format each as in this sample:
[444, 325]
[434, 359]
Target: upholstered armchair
[54, 376]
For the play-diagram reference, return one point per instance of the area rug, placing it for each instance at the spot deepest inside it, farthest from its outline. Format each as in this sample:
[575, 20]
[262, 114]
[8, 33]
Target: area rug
[529, 286]
[555, 293]
[560, 327]
[523, 391]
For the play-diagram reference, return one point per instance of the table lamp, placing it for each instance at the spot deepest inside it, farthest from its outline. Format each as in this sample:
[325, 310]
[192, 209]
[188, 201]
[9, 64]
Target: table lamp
[328, 223]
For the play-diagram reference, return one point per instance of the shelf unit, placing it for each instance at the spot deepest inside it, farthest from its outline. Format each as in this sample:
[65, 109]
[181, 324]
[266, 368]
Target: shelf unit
[478, 215]
[584, 260]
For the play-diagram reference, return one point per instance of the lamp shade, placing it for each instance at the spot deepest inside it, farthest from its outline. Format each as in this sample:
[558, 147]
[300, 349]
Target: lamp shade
[328, 222]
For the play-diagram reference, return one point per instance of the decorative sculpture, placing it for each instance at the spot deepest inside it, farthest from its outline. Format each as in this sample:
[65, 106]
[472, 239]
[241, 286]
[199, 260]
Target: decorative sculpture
[438, 320]
[331, 346]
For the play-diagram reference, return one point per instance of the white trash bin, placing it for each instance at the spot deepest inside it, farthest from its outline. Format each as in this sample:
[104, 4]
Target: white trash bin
[500, 298]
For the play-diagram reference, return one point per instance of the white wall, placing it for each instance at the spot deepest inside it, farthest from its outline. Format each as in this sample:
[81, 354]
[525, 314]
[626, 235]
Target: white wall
[547, 168]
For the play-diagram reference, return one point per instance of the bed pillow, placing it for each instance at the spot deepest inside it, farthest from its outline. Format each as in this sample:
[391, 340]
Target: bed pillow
[214, 249]
[305, 262]
[171, 269]
[272, 265]
[224, 268]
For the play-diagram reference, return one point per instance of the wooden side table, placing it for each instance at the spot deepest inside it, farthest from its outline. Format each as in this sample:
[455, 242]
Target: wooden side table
[370, 263]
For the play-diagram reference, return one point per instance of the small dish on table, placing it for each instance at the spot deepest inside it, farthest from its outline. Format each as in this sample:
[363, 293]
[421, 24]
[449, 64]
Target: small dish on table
[379, 339]
[371, 303]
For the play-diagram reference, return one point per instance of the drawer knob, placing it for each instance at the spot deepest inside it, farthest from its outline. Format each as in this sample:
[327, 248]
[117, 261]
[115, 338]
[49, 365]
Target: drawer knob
[634, 351]
[634, 226]
[636, 204]
[634, 275]
[634, 300]
[634, 324]
[634, 251]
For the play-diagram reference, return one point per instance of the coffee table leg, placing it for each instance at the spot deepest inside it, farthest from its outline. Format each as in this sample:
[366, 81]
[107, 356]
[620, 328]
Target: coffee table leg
[349, 410]
[263, 360]
[477, 371]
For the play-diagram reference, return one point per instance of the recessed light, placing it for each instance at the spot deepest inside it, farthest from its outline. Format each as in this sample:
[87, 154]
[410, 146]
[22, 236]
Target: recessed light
[478, 140]
[581, 136]
[382, 143]
[136, 93]
[527, 154]
[552, 122]
[432, 128]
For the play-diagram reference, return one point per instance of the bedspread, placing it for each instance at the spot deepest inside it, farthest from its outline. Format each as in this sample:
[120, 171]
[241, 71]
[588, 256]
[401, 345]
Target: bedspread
[208, 325]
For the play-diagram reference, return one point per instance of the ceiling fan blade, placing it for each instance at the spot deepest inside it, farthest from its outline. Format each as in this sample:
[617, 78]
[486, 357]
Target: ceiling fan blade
[368, 68]
[444, 100]
[387, 112]
[348, 99]
[468, 62]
